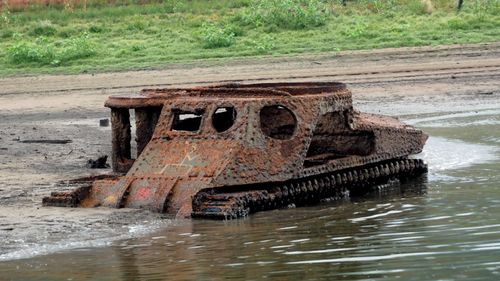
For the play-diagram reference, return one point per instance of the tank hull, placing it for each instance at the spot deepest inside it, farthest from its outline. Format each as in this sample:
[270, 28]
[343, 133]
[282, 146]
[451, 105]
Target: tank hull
[229, 150]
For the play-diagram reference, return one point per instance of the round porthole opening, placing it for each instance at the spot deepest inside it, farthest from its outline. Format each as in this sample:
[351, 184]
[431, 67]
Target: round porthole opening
[223, 118]
[277, 122]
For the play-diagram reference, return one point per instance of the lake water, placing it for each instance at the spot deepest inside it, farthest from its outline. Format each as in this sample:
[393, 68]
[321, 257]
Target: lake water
[444, 226]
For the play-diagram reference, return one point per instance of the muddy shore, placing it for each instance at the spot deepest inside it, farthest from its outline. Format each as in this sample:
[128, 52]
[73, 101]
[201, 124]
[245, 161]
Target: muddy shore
[70, 107]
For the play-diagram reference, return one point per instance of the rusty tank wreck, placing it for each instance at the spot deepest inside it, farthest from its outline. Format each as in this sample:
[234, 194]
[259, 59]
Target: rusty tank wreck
[229, 150]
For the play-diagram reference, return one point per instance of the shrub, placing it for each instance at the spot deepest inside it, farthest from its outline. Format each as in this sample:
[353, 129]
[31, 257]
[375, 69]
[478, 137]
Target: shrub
[77, 48]
[46, 53]
[26, 52]
[390, 7]
[136, 25]
[420, 7]
[96, 29]
[262, 45]
[6, 33]
[382, 6]
[481, 8]
[356, 30]
[457, 23]
[168, 7]
[214, 36]
[137, 47]
[288, 14]
[71, 31]
[43, 28]
[5, 16]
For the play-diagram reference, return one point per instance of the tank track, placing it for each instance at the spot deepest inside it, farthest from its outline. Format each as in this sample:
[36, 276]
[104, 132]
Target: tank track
[79, 189]
[223, 204]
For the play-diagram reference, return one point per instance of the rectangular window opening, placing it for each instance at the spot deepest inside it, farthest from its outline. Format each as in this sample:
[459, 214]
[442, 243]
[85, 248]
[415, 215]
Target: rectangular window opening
[189, 121]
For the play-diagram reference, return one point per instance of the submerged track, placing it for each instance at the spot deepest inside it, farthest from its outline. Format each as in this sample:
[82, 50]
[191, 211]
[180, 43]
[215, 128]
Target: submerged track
[225, 204]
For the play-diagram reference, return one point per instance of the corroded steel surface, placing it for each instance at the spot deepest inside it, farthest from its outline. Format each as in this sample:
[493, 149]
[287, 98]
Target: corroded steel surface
[247, 140]
[227, 204]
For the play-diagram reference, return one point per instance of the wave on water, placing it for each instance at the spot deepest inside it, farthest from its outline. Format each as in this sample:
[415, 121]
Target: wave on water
[452, 119]
[442, 154]
[43, 248]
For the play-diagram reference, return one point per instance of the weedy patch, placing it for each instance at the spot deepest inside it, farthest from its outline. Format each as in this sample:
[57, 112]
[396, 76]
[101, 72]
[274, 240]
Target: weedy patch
[28, 52]
[216, 36]
[45, 52]
[137, 47]
[77, 48]
[5, 16]
[382, 6]
[96, 29]
[263, 45]
[288, 14]
[358, 30]
[6, 33]
[43, 28]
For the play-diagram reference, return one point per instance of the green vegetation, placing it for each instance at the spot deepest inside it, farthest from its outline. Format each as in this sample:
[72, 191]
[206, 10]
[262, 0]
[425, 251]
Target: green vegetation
[217, 36]
[44, 52]
[285, 14]
[142, 34]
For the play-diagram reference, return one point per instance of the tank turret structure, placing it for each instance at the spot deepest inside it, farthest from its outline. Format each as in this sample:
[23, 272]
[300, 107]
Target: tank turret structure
[229, 150]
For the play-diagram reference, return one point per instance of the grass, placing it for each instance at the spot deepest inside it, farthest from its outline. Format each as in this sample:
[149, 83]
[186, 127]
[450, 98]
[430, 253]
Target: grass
[44, 52]
[102, 37]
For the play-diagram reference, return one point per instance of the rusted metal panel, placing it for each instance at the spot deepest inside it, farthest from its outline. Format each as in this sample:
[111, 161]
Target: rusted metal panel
[120, 139]
[145, 121]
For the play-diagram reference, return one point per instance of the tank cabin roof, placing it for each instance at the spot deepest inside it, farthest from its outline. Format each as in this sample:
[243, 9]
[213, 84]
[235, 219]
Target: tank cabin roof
[157, 97]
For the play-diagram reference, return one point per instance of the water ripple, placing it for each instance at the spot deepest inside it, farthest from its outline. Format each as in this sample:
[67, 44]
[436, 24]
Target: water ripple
[370, 258]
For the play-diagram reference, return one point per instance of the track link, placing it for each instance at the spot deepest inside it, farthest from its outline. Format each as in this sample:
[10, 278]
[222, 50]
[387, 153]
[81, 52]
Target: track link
[220, 204]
